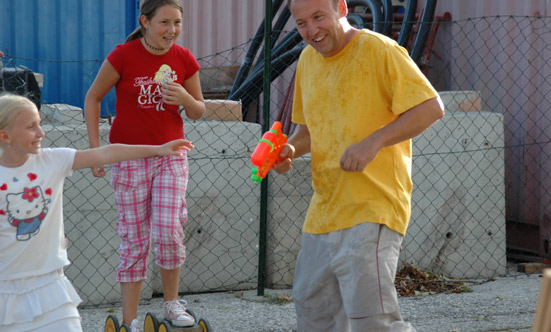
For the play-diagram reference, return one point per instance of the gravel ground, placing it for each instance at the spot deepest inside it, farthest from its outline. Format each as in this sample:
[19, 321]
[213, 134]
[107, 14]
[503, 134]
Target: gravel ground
[505, 304]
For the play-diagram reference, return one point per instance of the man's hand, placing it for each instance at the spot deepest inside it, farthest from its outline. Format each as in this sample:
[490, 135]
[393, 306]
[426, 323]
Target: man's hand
[286, 154]
[356, 157]
[408, 125]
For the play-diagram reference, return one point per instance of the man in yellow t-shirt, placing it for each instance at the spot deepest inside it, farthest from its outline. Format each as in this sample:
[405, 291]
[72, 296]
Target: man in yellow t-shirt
[359, 99]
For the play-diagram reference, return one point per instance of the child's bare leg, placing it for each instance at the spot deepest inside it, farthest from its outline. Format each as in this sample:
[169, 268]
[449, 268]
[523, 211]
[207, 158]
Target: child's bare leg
[170, 280]
[130, 292]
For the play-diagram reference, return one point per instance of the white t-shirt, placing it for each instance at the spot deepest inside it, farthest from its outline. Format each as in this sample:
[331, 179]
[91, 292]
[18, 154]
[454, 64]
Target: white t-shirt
[32, 238]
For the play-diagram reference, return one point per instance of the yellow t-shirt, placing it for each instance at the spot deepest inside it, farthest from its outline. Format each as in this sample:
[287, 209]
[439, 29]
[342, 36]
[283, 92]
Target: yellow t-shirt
[343, 99]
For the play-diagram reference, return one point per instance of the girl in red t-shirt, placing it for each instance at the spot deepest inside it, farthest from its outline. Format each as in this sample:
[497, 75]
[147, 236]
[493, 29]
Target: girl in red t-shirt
[153, 79]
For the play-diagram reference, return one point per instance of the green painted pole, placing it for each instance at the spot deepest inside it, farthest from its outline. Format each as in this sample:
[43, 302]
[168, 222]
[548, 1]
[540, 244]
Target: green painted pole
[265, 127]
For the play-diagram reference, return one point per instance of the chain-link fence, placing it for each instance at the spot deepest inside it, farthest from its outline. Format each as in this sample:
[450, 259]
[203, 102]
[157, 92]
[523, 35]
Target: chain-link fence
[498, 65]
[480, 174]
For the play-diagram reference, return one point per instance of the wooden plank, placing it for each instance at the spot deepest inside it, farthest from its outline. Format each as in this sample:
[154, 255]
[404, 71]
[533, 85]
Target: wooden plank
[542, 320]
[532, 267]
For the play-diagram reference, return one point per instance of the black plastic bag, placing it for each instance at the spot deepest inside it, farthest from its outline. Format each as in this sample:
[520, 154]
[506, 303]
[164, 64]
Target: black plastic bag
[20, 80]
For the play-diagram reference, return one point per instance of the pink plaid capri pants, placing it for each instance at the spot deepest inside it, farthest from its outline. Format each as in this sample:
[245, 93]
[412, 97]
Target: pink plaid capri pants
[150, 194]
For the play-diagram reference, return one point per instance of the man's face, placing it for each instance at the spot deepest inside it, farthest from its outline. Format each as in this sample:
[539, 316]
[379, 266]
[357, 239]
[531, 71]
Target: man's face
[318, 22]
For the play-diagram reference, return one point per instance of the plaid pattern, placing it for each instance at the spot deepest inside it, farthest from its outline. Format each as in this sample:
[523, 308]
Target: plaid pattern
[150, 194]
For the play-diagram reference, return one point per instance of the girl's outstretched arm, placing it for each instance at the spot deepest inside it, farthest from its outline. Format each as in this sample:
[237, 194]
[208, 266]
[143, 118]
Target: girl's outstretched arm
[113, 153]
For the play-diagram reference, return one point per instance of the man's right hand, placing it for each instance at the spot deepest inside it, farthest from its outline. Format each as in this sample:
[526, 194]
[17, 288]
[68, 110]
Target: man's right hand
[286, 154]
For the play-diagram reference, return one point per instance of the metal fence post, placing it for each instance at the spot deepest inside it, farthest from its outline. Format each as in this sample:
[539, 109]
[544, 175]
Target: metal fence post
[265, 127]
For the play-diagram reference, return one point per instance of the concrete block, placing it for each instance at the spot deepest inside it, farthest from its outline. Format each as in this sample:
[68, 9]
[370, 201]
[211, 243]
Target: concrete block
[457, 226]
[223, 213]
[223, 208]
[461, 101]
[289, 197]
[61, 114]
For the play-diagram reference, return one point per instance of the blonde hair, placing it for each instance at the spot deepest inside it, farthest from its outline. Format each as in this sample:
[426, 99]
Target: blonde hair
[11, 106]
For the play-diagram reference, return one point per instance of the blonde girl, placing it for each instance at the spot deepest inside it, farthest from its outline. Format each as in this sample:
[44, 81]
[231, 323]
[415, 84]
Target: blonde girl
[35, 295]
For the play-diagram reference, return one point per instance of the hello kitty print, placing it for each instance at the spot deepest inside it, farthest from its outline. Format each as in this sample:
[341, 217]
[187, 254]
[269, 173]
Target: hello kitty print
[26, 209]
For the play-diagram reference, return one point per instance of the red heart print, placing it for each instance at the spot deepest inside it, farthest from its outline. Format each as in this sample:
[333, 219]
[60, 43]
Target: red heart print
[4, 187]
[2, 212]
[32, 176]
[48, 191]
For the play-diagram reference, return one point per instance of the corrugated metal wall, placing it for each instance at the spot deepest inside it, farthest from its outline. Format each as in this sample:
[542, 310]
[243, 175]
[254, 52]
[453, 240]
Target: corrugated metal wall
[64, 40]
[82, 32]
[212, 26]
[478, 8]
[67, 40]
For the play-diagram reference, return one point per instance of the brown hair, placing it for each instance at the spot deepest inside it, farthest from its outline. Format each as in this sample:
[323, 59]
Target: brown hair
[149, 9]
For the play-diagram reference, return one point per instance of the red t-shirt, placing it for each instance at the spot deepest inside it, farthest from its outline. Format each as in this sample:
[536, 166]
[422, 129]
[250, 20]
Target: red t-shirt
[142, 117]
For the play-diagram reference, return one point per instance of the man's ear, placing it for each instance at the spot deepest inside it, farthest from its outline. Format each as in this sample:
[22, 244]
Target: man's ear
[343, 8]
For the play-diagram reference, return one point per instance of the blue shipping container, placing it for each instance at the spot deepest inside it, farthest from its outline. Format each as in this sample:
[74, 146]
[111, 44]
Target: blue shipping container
[66, 41]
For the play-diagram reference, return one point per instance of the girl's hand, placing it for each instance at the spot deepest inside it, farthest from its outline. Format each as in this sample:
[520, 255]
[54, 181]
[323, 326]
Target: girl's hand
[173, 148]
[98, 171]
[175, 94]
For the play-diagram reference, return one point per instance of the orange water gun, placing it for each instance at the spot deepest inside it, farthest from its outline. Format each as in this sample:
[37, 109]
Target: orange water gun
[266, 153]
